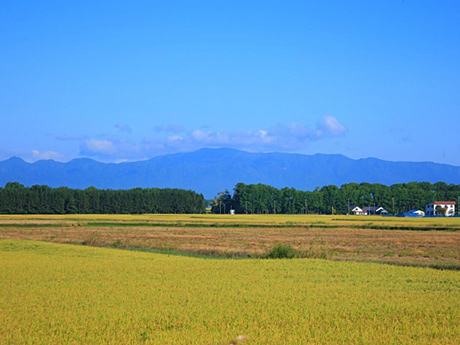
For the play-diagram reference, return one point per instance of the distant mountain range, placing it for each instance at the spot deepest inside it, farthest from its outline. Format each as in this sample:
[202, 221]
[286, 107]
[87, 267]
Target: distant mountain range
[209, 171]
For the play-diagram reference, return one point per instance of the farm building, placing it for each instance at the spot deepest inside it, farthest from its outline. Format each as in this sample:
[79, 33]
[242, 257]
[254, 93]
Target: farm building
[367, 210]
[356, 210]
[375, 210]
[441, 208]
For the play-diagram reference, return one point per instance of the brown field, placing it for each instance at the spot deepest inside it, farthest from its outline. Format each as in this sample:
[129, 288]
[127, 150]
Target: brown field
[426, 242]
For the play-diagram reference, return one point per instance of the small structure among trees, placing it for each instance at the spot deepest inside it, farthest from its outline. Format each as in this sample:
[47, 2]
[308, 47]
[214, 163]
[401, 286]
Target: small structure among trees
[374, 210]
[356, 210]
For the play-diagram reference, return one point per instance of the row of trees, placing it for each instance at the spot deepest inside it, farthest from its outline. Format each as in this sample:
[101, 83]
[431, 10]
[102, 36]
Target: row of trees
[264, 199]
[252, 198]
[17, 199]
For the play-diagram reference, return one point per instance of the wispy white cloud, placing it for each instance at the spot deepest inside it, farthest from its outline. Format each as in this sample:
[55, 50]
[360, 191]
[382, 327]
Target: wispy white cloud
[294, 137]
[95, 147]
[112, 150]
[329, 126]
[37, 155]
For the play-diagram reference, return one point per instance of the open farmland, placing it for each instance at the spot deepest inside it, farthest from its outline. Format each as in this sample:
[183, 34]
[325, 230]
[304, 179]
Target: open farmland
[56, 294]
[425, 241]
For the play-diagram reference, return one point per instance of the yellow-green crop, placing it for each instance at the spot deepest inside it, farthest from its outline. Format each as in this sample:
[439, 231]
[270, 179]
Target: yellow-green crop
[65, 294]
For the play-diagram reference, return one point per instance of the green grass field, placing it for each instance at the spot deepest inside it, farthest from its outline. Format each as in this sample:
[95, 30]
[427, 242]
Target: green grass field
[70, 294]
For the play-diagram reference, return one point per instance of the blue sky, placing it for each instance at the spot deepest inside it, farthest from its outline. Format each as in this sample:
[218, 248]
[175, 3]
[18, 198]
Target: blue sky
[129, 80]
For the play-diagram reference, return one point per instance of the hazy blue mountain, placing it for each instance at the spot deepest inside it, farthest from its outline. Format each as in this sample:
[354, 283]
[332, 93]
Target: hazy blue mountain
[209, 171]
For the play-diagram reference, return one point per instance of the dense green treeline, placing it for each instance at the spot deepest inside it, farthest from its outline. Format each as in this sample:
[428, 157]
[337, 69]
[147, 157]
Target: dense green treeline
[17, 199]
[402, 197]
[247, 198]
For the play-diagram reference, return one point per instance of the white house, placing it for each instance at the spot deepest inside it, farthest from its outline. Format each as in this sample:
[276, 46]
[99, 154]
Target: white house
[357, 210]
[448, 206]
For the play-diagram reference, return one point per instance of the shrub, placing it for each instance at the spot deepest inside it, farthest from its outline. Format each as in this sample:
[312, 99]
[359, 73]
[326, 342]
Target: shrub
[283, 251]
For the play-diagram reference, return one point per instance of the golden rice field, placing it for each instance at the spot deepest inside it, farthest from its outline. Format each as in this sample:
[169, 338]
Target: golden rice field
[72, 294]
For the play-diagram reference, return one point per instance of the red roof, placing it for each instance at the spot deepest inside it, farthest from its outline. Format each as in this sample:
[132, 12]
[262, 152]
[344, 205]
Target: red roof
[444, 202]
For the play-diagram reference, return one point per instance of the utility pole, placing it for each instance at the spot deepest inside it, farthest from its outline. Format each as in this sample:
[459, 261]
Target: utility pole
[306, 207]
[274, 206]
[220, 206]
[348, 211]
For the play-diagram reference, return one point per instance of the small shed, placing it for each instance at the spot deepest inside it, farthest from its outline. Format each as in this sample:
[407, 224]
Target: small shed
[356, 210]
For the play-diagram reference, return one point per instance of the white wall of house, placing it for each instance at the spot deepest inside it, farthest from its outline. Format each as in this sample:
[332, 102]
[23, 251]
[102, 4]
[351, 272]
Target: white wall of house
[449, 206]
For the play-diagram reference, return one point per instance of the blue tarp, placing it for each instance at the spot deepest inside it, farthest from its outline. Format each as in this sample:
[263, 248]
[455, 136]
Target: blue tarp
[409, 214]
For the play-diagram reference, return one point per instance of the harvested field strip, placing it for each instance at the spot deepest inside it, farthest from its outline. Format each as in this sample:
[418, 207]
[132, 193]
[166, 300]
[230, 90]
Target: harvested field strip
[401, 247]
[292, 225]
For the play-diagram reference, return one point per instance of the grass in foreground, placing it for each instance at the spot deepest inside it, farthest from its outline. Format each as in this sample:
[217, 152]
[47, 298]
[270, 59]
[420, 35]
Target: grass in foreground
[54, 294]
